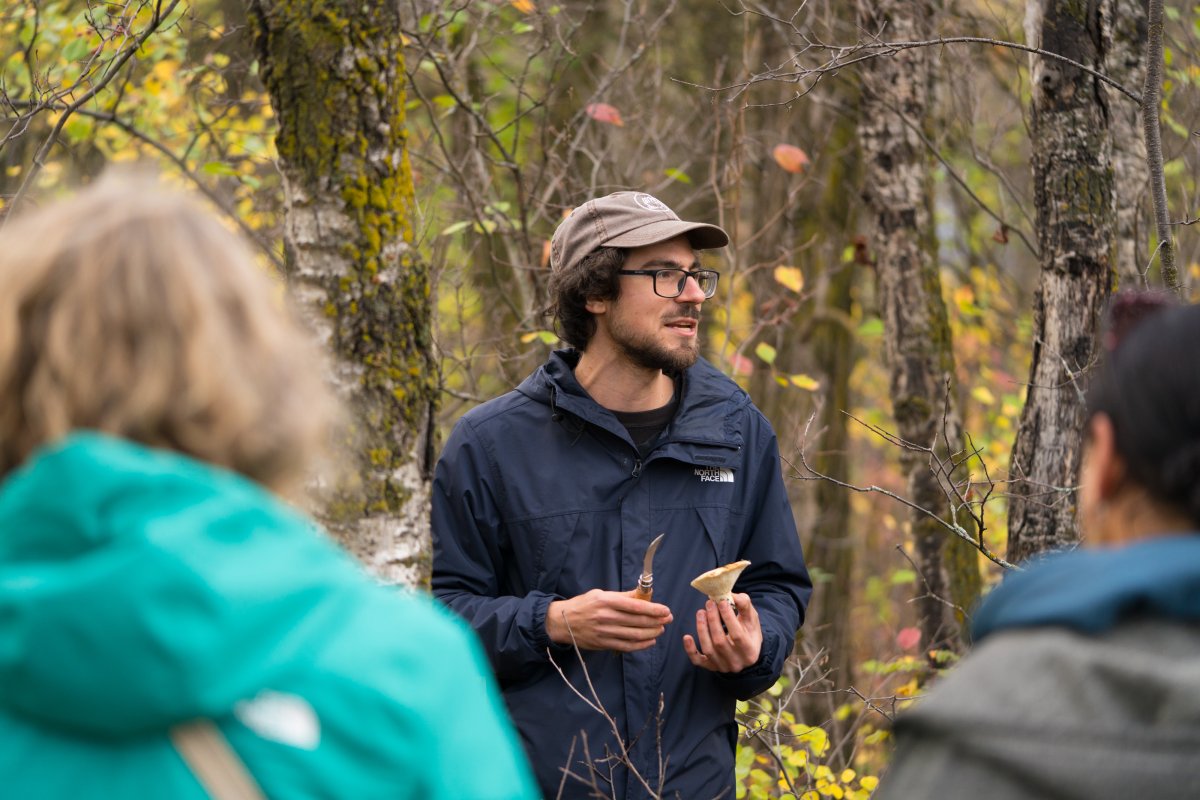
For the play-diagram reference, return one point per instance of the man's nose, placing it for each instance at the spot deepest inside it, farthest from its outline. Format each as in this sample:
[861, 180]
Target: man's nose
[692, 293]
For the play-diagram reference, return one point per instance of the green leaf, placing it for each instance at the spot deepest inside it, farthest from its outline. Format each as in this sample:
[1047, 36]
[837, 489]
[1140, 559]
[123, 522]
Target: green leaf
[819, 575]
[455, 227]
[677, 175]
[76, 49]
[903, 576]
[766, 352]
[218, 168]
[872, 327]
[521, 27]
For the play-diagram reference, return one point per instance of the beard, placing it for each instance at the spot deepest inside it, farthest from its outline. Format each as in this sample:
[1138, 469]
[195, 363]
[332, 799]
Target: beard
[647, 352]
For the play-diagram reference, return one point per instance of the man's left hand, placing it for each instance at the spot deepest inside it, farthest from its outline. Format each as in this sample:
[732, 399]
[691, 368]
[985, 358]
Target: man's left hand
[730, 648]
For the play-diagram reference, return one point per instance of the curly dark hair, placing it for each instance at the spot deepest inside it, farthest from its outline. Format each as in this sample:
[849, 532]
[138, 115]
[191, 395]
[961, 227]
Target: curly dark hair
[594, 277]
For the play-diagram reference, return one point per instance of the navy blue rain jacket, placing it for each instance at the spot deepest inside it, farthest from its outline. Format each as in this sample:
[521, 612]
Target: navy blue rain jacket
[541, 495]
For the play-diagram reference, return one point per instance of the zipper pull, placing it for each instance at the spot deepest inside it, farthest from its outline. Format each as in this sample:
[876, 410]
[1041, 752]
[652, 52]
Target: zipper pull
[637, 467]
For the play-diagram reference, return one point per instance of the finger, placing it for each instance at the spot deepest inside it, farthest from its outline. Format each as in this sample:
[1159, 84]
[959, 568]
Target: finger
[733, 624]
[632, 633]
[716, 625]
[698, 659]
[630, 603]
[693, 654]
[745, 606]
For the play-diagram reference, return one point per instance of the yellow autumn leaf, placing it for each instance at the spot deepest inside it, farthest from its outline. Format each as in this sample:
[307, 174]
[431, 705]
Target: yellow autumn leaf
[983, 395]
[524, 6]
[791, 277]
[869, 782]
[806, 382]
[847, 775]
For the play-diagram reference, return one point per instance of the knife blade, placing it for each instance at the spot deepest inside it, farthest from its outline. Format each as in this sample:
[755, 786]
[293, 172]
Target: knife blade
[645, 585]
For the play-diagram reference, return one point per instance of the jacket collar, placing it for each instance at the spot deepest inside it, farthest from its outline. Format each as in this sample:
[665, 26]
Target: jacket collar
[707, 410]
[1093, 590]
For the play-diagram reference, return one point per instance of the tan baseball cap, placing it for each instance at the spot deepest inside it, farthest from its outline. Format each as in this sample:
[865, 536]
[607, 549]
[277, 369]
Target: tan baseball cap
[625, 219]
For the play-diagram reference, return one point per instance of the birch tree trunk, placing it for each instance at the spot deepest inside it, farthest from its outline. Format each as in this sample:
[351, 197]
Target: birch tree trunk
[1125, 62]
[898, 191]
[335, 72]
[1073, 192]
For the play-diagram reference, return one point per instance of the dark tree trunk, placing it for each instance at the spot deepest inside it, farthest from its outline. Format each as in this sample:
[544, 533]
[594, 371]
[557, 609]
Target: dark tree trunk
[1073, 192]
[897, 89]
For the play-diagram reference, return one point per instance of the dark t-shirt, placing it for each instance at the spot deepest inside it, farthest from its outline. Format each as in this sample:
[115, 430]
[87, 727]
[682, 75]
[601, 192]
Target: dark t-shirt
[645, 426]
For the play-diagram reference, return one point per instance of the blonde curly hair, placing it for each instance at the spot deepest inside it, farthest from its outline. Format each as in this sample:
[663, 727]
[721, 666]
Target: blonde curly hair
[131, 310]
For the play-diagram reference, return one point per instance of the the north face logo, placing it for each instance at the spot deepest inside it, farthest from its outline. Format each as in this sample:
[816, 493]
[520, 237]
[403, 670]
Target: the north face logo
[650, 203]
[714, 474]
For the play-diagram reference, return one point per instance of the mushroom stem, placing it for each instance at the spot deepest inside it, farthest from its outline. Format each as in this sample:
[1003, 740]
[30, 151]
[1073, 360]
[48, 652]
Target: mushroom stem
[718, 583]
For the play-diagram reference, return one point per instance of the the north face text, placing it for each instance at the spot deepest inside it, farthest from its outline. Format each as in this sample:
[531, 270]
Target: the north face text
[714, 474]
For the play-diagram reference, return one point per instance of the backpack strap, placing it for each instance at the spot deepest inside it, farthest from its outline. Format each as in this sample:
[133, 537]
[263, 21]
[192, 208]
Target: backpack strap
[207, 753]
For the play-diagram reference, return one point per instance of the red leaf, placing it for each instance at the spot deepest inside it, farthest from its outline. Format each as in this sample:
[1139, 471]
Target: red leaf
[1001, 234]
[908, 638]
[790, 157]
[741, 364]
[603, 112]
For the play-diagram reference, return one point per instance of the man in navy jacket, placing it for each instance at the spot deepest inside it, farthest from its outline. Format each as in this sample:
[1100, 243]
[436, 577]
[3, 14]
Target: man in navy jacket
[546, 499]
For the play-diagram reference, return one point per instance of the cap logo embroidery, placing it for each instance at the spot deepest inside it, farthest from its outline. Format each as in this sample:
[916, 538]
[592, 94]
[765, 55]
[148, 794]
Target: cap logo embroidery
[650, 203]
[714, 474]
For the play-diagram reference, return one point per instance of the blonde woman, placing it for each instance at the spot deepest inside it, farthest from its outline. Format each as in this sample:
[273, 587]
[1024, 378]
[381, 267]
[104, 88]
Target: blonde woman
[166, 621]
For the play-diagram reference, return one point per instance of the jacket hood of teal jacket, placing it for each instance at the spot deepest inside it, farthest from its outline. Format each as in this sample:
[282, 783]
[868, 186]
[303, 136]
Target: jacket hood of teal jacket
[117, 615]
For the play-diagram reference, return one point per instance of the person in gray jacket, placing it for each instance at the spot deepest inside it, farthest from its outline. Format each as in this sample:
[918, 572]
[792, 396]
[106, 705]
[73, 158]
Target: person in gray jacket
[1085, 679]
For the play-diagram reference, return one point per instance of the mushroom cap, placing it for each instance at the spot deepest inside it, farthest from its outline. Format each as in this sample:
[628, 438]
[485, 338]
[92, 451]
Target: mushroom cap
[718, 583]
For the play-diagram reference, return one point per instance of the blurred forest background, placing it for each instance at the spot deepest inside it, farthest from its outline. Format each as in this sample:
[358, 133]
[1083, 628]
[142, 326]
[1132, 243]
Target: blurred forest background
[930, 203]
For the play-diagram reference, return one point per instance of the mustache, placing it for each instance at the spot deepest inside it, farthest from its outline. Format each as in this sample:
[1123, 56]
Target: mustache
[690, 312]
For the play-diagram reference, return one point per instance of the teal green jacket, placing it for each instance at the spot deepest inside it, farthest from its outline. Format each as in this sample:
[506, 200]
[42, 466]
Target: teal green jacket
[140, 589]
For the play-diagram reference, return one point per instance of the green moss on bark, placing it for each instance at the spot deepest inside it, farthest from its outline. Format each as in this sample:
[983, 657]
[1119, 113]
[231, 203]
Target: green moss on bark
[335, 71]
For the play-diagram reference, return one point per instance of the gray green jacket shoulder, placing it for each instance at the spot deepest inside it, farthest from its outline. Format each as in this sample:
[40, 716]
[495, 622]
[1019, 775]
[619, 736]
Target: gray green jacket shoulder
[1084, 684]
[140, 589]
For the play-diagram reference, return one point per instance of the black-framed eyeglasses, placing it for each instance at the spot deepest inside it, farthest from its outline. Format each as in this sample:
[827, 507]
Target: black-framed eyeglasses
[670, 282]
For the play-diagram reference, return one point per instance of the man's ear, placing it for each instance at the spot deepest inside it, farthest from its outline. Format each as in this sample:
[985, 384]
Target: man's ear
[1107, 463]
[596, 305]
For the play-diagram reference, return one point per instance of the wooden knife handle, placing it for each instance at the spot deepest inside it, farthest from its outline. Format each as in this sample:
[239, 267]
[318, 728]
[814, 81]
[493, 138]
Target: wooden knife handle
[643, 593]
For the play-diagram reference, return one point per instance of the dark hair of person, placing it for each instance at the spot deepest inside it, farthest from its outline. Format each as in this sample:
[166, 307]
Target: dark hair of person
[594, 277]
[1149, 386]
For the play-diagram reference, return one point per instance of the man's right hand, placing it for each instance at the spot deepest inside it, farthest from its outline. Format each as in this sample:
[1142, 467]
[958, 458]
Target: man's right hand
[601, 620]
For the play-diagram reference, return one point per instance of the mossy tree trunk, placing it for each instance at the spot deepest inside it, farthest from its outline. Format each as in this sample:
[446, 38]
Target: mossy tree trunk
[1125, 62]
[897, 184]
[335, 72]
[1073, 193]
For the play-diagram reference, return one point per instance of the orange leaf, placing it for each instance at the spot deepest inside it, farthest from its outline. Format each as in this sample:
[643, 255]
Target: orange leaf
[790, 157]
[603, 112]
[524, 6]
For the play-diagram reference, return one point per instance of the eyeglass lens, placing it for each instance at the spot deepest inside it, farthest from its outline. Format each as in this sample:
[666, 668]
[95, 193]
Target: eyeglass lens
[671, 282]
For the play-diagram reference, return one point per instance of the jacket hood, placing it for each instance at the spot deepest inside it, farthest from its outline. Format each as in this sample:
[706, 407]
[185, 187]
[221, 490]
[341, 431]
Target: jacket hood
[708, 406]
[139, 588]
[1091, 591]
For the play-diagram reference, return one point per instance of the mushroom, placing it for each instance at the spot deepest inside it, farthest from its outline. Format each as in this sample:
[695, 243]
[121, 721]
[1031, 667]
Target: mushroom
[718, 583]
